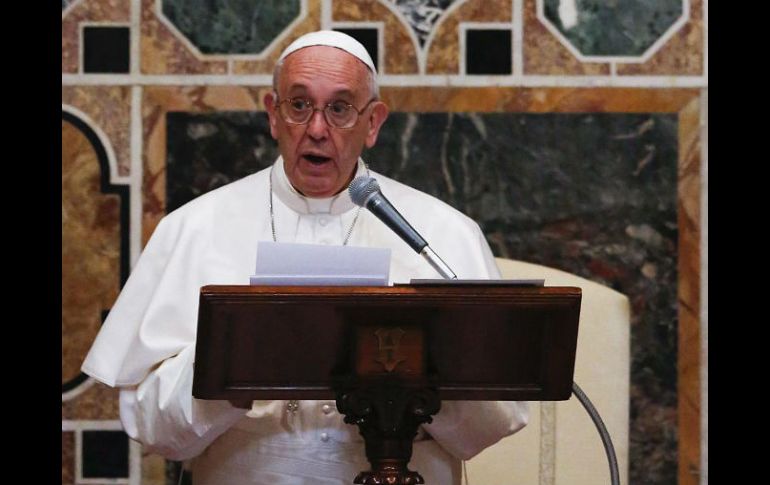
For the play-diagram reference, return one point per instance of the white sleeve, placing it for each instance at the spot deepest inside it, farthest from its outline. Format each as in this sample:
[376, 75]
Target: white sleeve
[146, 346]
[465, 428]
[162, 414]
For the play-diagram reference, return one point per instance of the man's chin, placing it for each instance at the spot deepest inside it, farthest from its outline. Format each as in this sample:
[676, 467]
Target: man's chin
[319, 190]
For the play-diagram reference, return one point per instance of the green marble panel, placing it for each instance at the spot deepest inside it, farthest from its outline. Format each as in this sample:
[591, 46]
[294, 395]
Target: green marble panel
[231, 26]
[613, 27]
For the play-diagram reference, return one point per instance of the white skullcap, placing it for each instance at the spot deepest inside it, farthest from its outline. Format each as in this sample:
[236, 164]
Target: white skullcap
[331, 38]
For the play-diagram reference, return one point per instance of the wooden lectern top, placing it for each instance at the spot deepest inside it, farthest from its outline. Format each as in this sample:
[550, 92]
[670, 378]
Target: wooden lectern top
[470, 342]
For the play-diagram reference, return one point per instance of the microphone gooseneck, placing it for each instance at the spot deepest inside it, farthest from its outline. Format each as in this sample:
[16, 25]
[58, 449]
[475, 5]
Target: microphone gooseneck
[365, 192]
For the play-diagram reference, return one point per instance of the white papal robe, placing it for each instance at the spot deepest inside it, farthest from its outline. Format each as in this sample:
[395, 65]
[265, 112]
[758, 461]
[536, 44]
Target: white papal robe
[146, 346]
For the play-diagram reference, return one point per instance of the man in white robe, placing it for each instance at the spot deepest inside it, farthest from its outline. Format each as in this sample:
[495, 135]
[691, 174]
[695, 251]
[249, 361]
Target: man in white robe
[147, 343]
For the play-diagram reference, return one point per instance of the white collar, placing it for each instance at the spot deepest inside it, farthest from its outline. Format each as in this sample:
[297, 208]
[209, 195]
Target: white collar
[335, 205]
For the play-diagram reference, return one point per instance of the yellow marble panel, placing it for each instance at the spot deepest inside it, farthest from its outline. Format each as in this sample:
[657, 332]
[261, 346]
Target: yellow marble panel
[110, 108]
[153, 469]
[310, 23]
[164, 53]
[399, 50]
[90, 249]
[682, 55]
[688, 364]
[157, 101]
[444, 49]
[537, 100]
[87, 11]
[544, 54]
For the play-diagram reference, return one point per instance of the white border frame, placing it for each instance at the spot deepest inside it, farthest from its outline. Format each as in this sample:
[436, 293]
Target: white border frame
[133, 180]
[422, 52]
[134, 208]
[134, 451]
[654, 48]
[415, 41]
[517, 79]
[78, 390]
[112, 160]
[412, 80]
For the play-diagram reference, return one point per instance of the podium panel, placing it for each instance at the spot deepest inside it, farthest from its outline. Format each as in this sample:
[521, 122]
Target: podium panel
[469, 342]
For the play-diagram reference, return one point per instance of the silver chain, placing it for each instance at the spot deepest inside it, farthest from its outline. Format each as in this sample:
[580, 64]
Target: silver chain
[272, 214]
[292, 406]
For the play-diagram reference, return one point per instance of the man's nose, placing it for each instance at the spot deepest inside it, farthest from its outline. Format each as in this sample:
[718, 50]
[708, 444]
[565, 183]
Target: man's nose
[317, 127]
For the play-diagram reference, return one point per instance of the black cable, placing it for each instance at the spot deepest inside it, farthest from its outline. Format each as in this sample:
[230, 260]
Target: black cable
[181, 473]
[606, 440]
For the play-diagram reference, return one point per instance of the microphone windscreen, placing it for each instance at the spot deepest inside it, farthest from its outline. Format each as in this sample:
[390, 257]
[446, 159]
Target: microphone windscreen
[361, 188]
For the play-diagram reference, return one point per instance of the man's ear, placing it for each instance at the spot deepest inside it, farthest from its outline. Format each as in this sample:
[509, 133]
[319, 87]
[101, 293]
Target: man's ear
[376, 119]
[272, 115]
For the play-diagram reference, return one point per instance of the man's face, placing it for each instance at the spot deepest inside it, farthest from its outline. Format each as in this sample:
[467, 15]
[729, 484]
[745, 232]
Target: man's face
[320, 159]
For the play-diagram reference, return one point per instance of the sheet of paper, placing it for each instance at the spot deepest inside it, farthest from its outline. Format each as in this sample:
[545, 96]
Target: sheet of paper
[312, 264]
[423, 282]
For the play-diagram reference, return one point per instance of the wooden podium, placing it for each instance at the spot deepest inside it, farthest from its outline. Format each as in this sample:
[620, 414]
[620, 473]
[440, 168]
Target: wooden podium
[387, 355]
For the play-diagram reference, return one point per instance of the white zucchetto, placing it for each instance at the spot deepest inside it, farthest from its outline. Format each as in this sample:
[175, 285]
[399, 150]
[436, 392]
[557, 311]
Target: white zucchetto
[331, 38]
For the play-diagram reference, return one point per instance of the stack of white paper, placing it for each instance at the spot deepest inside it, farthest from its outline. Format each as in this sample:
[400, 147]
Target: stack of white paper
[311, 264]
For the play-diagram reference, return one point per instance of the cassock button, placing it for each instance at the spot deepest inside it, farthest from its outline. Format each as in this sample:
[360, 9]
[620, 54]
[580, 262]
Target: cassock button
[324, 437]
[326, 408]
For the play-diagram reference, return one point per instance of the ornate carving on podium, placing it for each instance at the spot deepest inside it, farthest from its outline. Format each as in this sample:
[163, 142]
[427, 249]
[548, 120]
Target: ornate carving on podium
[383, 350]
[388, 415]
[388, 397]
[390, 347]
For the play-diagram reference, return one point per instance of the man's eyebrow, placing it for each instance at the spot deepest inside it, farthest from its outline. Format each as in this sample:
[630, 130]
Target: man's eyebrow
[297, 87]
[344, 93]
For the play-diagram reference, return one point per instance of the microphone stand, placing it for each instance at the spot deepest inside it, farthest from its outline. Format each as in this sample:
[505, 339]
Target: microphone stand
[437, 263]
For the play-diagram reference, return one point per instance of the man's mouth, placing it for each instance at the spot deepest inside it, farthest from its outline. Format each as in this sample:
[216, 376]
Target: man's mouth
[316, 159]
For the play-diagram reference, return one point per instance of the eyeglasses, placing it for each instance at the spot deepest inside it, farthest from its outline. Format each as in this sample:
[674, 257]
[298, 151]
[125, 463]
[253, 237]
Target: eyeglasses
[339, 114]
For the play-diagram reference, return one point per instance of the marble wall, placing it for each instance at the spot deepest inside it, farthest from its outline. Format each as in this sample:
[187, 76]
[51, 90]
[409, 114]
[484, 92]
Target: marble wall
[580, 150]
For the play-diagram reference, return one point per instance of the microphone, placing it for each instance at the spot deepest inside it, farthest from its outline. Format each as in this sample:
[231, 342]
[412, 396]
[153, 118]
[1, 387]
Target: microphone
[365, 192]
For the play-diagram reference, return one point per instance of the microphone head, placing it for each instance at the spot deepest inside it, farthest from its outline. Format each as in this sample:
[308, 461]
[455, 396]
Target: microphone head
[361, 188]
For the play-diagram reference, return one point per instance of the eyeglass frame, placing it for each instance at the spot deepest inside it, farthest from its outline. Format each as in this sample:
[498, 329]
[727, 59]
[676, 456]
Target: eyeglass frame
[278, 103]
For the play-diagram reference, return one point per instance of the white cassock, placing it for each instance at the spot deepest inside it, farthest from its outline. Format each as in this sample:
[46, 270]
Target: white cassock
[146, 344]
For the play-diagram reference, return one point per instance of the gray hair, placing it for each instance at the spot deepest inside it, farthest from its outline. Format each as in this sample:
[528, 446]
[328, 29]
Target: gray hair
[374, 89]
